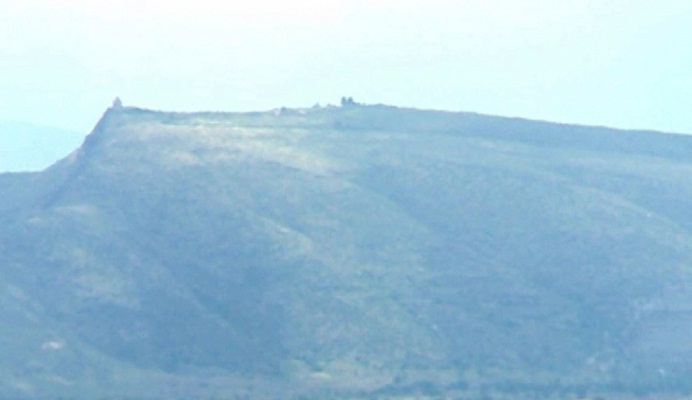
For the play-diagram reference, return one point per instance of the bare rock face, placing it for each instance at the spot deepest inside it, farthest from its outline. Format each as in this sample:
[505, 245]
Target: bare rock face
[348, 252]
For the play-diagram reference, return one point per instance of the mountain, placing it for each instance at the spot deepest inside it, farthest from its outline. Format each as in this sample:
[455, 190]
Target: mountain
[28, 147]
[362, 251]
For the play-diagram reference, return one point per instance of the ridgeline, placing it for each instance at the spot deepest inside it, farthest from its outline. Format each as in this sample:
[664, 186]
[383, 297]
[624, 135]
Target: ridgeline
[362, 251]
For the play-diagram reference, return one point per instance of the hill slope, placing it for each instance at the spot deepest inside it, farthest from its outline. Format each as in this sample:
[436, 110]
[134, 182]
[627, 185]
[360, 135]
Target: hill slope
[358, 251]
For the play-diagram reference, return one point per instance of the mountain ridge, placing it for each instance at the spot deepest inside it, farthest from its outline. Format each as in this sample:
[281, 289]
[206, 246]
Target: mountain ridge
[352, 252]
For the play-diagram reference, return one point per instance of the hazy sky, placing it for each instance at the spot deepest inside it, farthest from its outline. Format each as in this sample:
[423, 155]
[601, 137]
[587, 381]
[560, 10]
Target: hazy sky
[614, 62]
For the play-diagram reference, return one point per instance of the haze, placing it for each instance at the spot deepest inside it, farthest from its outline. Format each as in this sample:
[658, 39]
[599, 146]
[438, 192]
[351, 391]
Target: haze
[617, 63]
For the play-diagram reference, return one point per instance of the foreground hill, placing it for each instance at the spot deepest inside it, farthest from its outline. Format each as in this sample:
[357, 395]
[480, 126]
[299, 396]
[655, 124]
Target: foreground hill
[353, 252]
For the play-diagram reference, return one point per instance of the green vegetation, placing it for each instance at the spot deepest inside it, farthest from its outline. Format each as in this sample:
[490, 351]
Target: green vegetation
[348, 252]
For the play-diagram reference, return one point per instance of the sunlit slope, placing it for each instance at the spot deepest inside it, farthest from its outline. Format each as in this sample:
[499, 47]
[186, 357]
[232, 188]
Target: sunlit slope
[352, 250]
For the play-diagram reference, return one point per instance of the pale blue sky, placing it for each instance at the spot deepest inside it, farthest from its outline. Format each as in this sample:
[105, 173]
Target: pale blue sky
[617, 63]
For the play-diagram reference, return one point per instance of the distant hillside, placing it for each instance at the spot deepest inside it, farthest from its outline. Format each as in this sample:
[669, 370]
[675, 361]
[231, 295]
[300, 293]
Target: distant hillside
[355, 252]
[27, 147]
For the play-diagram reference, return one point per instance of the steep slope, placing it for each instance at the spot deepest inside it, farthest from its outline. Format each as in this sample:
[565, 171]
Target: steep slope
[354, 251]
